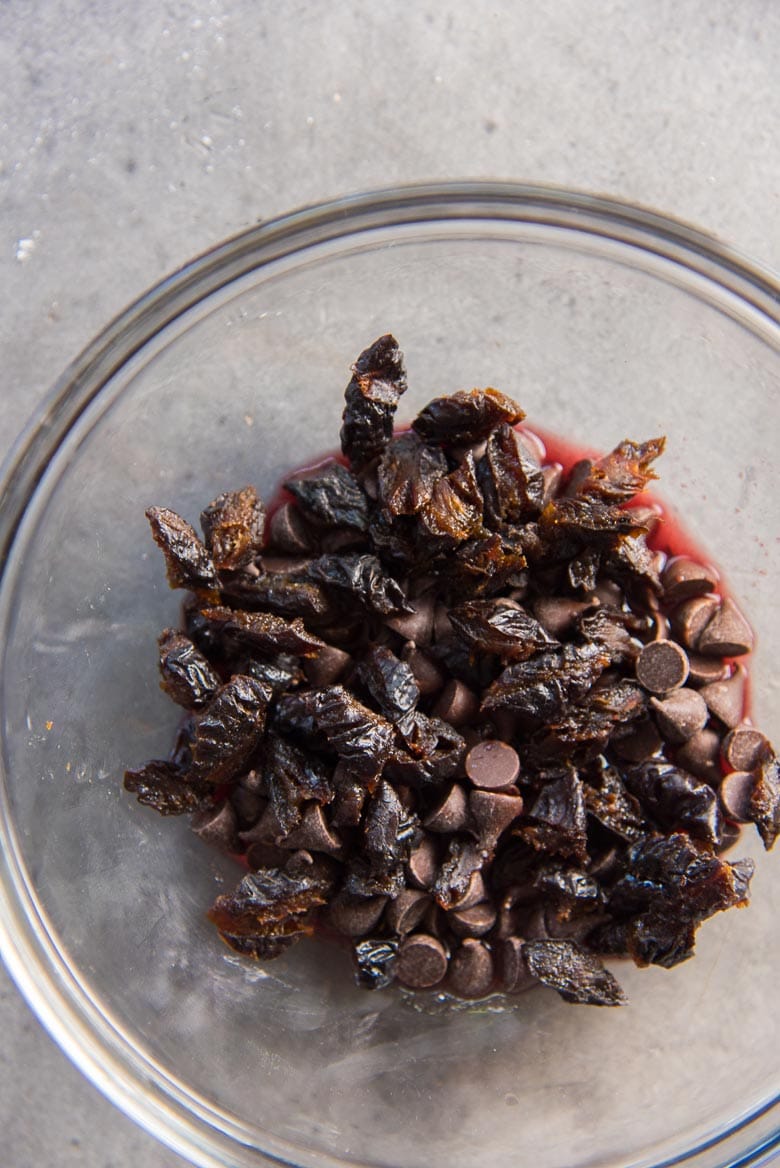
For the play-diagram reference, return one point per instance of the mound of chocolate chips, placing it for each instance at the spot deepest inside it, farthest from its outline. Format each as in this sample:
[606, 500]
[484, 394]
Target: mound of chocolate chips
[452, 709]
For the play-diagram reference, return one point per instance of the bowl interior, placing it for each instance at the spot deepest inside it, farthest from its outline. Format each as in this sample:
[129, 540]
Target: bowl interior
[598, 341]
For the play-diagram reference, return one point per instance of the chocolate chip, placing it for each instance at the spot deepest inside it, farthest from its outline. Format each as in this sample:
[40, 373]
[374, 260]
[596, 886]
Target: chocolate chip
[640, 742]
[493, 812]
[354, 916]
[426, 673]
[423, 864]
[416, 625]
[704, 670]
[219, 828]
[407, 910]
[266, 856]
[701, 755]
[735, 793]
[557, 614]
[474, 893]
[457, 704]
[514, 973]
[727, 633]
[472, 922]
[314, 834]
[691, 617]
[248, 805]
[442, 625]
[726, 699]
[662, 666]
[471, 970]
[492, 764]
[451, 814]
[552, 477]
[327, 667]
[609, 592]
[680, 715]
[683, 578]
[744, 748]
[422, 961]
[288, 531]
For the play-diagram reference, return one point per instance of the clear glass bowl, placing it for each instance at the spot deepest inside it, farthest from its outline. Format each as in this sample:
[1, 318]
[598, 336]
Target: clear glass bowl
[605, 321]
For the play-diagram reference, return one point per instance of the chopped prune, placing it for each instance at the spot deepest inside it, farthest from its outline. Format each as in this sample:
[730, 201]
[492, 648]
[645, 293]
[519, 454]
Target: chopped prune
[358, 735]
[489, 626]
[541, 688]
[454, 510]
[623, 473]
[408, 473]
[512, 483]
[391, 684]
[286, 593]
[610, 805]
[375, 960]
[557, 818]
[765, 802]
[459, 699]
[361, 578]
[292, 777]
[265, 631]
[163, 786]
[271, 901]
[576, 975]
[233, 527]
[675, 799]
[371, 399]
[466, 416]
[186, 675]
[229, 729]
[188, 563]
[331, 496]
[386, 829]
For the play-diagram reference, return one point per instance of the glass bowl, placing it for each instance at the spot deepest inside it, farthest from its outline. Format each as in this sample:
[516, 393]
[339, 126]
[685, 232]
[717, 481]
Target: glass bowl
[605, 321]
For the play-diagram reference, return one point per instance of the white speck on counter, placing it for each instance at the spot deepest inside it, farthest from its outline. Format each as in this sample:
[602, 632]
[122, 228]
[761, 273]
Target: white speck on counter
[26, 246]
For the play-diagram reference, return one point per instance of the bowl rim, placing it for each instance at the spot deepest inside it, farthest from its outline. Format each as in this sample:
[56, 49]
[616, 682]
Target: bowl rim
[40, 971]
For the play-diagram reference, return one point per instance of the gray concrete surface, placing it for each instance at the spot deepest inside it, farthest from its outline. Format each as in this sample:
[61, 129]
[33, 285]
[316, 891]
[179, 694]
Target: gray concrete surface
[134, 136]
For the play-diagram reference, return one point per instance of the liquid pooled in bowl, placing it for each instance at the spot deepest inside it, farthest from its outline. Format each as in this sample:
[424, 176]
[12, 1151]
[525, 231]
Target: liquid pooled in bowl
[464, 702]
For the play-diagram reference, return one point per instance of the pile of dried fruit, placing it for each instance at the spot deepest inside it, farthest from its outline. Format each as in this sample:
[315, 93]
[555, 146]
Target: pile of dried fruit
[452, 708]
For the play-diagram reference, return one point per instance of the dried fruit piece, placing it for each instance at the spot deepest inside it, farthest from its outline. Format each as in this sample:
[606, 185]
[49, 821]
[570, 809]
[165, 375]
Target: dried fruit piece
[358, 735]
[161, 785]
[265, 632]
[541, 688]
[512, 482]
[229, 730]
[330, 496]
[493, 626]
[187, 562]
[765, 802]
[675, 799]
[408, 473]
[623, 473]
[576, 975]
[371, 399]
[186, 675]
[272, 902]
[466, 416]
[233, 527]
[557, 816]
[361, 578]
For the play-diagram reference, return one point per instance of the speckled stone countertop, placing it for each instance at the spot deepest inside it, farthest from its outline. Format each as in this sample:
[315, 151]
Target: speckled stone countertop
[134, 136]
